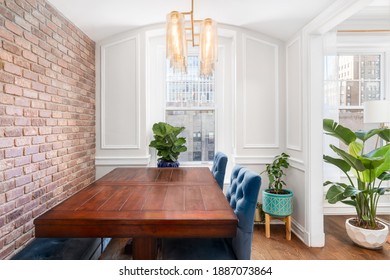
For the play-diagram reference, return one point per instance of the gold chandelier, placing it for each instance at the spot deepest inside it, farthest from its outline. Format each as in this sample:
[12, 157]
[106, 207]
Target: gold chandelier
[201, 33]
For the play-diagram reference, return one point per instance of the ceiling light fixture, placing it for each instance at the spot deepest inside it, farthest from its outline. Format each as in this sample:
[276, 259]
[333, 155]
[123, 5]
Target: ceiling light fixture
[201, 33]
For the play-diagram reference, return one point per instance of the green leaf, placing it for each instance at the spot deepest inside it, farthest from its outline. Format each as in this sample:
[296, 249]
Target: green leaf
[340, 163]
[351, 160]
[350, 191]
[336, 130]
[349, 202]
[365, 135]
[354, 148]
[335, 194]
[385, 176]
[385, 134]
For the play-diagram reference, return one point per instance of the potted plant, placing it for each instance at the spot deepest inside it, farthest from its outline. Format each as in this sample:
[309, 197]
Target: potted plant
[168, 144]
[259, 214]
[276, 200]
[365, 171]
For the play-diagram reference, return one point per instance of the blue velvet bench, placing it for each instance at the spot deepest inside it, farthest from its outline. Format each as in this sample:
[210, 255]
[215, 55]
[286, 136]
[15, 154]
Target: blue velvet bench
[62, 249]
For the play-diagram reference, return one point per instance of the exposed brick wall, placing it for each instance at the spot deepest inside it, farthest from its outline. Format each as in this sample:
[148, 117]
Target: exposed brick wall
[47, 115]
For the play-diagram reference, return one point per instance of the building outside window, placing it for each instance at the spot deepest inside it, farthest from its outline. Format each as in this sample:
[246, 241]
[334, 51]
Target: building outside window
[350, 80]
[190, 102]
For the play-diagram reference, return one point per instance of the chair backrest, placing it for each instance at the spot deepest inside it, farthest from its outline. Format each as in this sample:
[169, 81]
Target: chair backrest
[219, 168]
[242, 196]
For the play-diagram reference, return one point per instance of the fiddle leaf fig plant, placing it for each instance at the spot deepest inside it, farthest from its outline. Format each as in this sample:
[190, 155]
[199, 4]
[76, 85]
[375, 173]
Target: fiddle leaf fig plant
[166, 141]
[366, 171]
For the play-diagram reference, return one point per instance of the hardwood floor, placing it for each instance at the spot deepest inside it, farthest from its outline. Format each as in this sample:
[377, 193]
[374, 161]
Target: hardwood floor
[338, 245]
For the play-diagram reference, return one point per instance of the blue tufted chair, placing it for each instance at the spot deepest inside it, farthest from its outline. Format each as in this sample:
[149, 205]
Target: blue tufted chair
[242, 196]
[219, 168]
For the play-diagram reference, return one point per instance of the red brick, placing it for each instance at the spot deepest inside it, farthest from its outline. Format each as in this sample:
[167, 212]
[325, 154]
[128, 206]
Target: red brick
[11, 89]
[6, 78]
[28, 112]
[38, 140]
[6, 35]
[13, 69]
[38, 86]
[28, 131]
[13, 132]
[21, 62]
[38, 51]
[22, 141]
[13, 111]
[6, 122]
[37, 104]
[30, 93]
[31, 150]
[13, 194]
[13, 152]
[6, 142]
[56, 100]
[44, 130]
[22, 23]
[38, 157]
[7, 99]
[29, 18]
[24, 102]
[22, 160]
[44, 113]
[43, 62]
[12, 48]
[15, 172]
[38, 69]
[22, 122]
[30, 56]
[13, 28]
[20, 181]
[15, 8]
[33, 3]
[30, 75]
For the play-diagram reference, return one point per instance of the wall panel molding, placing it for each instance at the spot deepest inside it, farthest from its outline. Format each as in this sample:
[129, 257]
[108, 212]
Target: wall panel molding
[121, 161]
[294, 96]
[120, 94]
[260, 94]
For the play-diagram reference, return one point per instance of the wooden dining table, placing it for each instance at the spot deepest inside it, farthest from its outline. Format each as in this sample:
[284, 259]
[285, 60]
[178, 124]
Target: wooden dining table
[144, 204]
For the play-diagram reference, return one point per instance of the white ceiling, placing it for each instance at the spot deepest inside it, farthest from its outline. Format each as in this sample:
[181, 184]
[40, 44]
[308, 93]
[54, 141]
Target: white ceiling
[277, 18]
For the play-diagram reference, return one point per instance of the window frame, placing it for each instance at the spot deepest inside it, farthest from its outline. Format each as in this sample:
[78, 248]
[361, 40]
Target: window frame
[195, 108]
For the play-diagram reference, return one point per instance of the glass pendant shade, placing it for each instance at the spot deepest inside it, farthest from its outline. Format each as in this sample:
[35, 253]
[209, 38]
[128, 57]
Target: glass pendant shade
[208, 46]
[176, 41]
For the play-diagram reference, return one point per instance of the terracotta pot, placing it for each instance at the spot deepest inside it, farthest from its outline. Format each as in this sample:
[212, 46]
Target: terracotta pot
[367, 238]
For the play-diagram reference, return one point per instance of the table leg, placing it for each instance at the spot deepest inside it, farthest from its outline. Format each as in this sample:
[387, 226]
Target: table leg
[144, 248]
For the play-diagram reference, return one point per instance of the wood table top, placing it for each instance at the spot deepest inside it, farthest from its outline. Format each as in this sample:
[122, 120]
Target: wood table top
[131, 202]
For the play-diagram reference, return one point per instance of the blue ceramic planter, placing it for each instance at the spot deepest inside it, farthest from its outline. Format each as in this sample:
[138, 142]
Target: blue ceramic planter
[278, 205]
[162, 163]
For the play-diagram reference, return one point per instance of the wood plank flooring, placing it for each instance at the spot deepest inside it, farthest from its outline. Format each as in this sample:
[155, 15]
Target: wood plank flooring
[338, 245]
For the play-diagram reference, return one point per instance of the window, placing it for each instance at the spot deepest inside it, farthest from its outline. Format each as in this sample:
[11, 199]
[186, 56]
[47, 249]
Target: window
[190, 102]
[358, 78]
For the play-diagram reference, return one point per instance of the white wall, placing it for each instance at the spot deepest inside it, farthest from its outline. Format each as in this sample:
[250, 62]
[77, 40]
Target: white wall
[250, 73]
